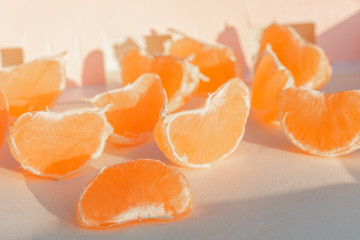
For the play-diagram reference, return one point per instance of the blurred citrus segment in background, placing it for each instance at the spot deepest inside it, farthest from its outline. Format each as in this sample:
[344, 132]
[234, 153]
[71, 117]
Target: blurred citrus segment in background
[33, 86]
[134, 109]
[306, 61]
[4, 117]
[270, 78]
[217, 62]
[179, 77]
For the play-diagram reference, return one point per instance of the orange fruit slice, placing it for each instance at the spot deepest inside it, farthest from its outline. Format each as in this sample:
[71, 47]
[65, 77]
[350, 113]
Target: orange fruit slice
[33, 86]
[4, 117]
[197, 138]
[133, 191]
[134, 109]
[321, 124]
[54, 145]
[270, 78]
[179, 77]
[307, 62]
[219, 63]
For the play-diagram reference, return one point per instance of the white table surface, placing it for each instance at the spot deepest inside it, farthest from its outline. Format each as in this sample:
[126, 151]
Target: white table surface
[267, 189]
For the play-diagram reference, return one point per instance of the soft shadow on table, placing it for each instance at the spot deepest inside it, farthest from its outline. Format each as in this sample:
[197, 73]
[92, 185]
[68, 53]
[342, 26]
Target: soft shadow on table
[60, 197]
[330, 212]
[269, 136]
[351, 162]
[148, 149]
[7, 161]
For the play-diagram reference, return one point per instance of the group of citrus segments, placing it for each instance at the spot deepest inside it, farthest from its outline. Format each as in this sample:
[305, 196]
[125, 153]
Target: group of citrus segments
[156, 86]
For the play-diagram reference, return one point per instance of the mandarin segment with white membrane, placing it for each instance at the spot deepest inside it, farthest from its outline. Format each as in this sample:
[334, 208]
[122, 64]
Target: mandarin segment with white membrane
[321, 124]
[134, 190]
[199, 137]
[307, 62]
[270, 78]
[35, 85]
[134, 109]
[54, 145]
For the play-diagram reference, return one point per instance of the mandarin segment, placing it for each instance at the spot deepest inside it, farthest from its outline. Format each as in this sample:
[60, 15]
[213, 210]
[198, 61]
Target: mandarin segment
[51, 144]
[198, 138]
[179, 77]
[4, 117]
[33, 86]
[307, 62]
[133, 191]
[134, 109]
[270, 78]
[216, 62]
[321, 124]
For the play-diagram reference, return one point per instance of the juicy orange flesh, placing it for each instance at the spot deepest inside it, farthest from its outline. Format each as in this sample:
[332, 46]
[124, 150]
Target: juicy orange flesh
[135, 111]
[213, 62]
[306, 62]
[170, 70]
[69, 143]
[206, 137]
[32, 86]
[268, 82]
[134, 185]
[325, 122]
[4, 117]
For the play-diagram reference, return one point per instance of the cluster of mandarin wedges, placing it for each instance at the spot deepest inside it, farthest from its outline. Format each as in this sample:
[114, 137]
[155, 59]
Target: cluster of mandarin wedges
[156, 86]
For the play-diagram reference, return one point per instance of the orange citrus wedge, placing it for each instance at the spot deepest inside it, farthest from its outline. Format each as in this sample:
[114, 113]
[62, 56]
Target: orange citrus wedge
[270, 78]
[179, 77]
[52, 144]
[321, 124]
[307, 62]
[133, 191]
[217, 62]
[4, 117]
[199, 137]
[134, 109]
[33, 86]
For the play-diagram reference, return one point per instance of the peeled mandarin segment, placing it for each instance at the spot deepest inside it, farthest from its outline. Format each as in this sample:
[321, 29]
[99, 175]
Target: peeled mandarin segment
[198, 138]
[132, 191]
[307, 62]
[179, 77]
[33, 86]
[270, 78]
[51, 144]
[4, 117]
[134, 109]
[218, 63]
[321, 124]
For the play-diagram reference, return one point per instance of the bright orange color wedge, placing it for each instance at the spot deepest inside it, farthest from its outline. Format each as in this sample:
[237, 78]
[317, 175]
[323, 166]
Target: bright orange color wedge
[4, 117]
[321, 124]
[33, 86]
[51, 144]
[217, 62]
[198, 138]
[307, 62]
[133, 191]
[179, 77]
[134, 109]
[270, 78]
